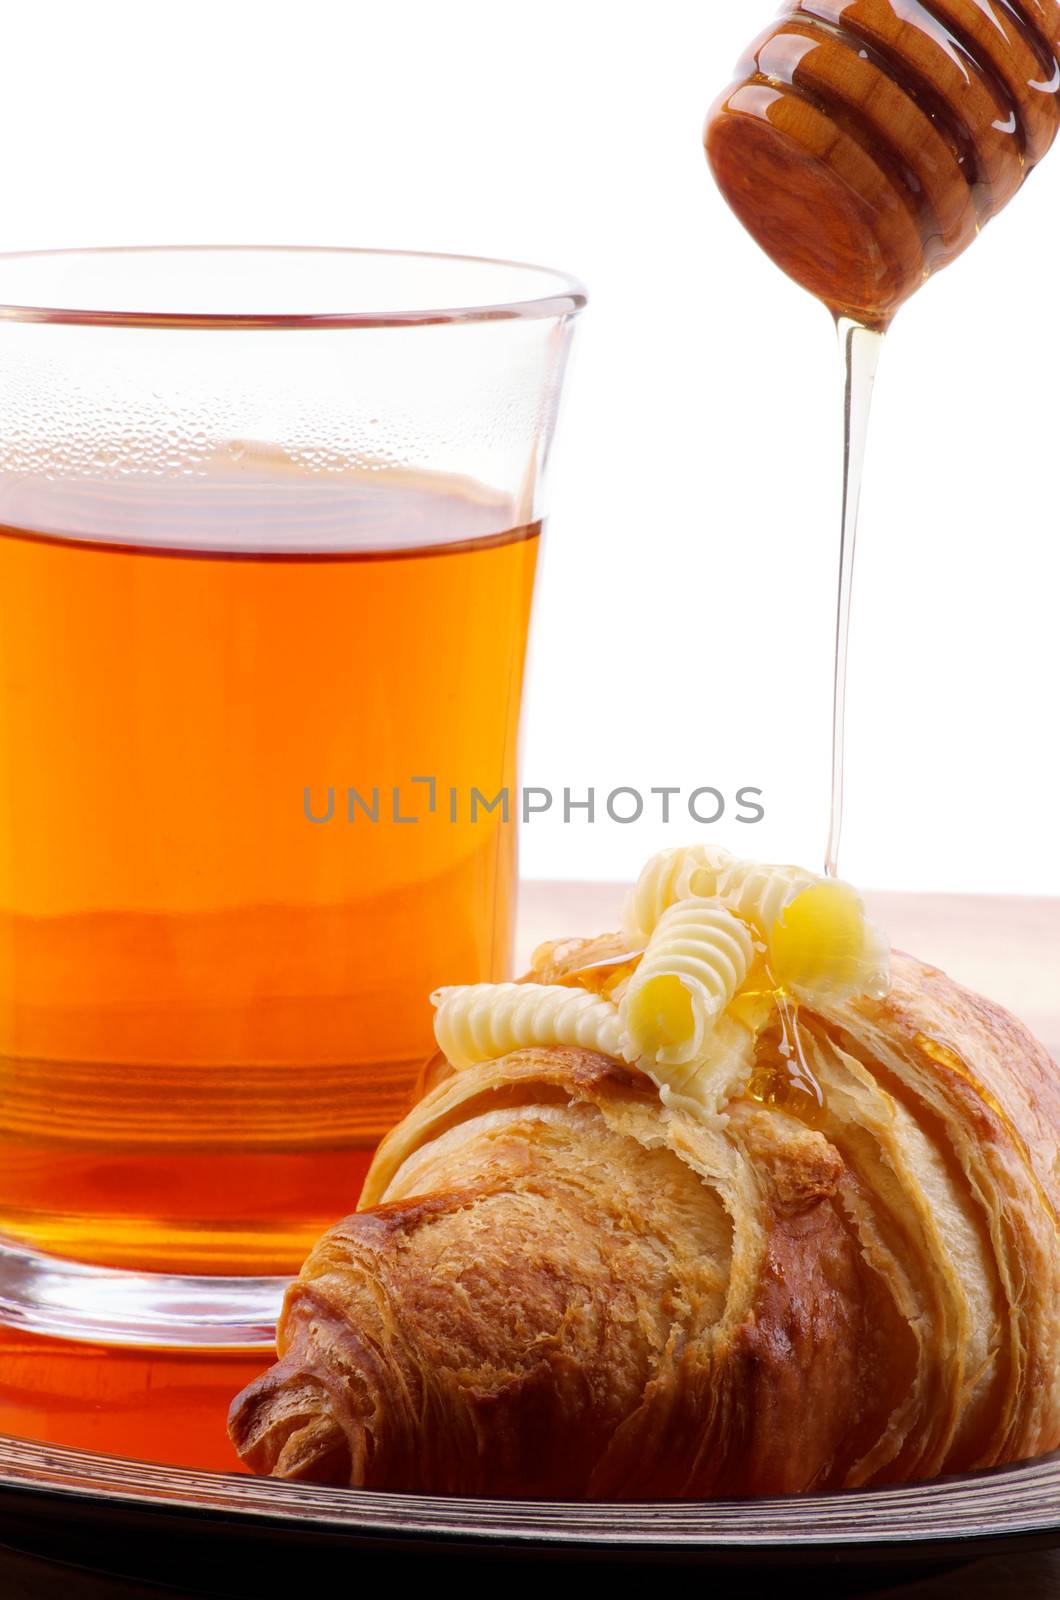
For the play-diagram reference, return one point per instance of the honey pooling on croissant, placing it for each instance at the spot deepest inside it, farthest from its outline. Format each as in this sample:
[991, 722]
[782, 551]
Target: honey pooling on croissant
[576, 1275]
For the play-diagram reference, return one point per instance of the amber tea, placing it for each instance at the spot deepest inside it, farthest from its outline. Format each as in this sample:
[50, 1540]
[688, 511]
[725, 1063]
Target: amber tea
[211, 1005]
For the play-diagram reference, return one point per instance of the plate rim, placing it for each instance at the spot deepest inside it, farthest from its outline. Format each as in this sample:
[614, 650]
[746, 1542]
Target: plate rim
[1019, 1502]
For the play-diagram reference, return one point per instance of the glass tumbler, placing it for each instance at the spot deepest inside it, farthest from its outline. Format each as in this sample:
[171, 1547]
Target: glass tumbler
[269, 521]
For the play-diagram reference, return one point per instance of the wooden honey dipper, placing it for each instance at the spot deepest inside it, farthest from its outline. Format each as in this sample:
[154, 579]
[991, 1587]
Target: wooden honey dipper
[866, 142]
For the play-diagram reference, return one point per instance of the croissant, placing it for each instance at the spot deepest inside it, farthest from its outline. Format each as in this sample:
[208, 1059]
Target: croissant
[565, 1283]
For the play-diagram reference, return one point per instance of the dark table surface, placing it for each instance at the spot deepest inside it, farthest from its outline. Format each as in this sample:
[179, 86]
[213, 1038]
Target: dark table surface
[1017, 1577]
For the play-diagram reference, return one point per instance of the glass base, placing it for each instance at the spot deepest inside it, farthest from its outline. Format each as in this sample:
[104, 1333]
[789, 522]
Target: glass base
[104, 1305]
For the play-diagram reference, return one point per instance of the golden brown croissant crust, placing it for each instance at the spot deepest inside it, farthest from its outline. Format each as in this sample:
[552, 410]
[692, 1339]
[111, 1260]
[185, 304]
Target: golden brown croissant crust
[557, 1287]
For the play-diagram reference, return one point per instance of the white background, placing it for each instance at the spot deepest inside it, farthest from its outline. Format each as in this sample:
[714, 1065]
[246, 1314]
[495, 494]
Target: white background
[685, 615]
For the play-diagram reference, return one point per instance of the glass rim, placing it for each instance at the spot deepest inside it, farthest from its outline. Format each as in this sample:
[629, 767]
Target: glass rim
[564, 295]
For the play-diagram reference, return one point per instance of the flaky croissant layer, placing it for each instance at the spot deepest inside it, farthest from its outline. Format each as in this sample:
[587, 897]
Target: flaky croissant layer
[557, 1286]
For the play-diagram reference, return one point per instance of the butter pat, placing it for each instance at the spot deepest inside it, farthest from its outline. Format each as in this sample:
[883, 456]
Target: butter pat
[714, 950]
[661, 1017]
[696, 960]
[823, 947]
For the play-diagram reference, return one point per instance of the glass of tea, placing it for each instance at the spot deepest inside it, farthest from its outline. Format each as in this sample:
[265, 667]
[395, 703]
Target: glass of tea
[269, 523]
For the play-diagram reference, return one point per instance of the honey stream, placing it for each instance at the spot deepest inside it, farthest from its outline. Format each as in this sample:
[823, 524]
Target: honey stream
[861, 347]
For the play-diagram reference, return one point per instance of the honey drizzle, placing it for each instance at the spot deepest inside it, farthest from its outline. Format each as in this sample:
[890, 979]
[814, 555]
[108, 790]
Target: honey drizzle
[781, 1077]
[861, 349]
[603, 977]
